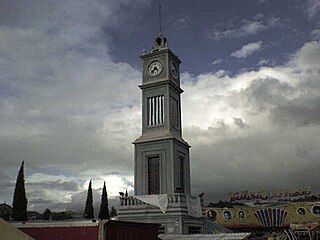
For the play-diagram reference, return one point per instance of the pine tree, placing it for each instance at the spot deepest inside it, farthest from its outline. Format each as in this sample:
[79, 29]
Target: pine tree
[19, 204]
[88, 212]
[104, 209]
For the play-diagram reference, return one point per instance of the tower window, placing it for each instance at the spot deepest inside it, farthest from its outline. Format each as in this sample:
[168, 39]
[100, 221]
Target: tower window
[174, 115]
[155, 110]
[180, 185]
[194, 230]
[153, 175]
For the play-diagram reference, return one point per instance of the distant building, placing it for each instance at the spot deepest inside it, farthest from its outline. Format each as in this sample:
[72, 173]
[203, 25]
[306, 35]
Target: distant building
[88, 230]
[33, 215]
[5, 211]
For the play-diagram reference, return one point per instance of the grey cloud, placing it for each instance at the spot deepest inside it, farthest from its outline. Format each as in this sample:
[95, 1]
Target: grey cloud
[301, 111]
[54, 16]
[52, 92]
[307, 60]
[315, 34]
[280, 148]
[179, 23]
[78, 202]
[113, 173]
[258, 16]
[257, 161]
[7, 188]
[248, 27]
[261, 95]
[263, 62]
[59, 185]
[263, 1]
[240, 123]
[217, 61]
[247, 50]
[57, 109]
[42, 201]
[285, 104]
[313, 8]
[128, 182]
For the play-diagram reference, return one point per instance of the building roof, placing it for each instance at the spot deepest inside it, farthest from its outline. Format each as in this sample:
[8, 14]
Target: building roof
[10, 232]
[51, 230]
[51, 224]
[219, 236]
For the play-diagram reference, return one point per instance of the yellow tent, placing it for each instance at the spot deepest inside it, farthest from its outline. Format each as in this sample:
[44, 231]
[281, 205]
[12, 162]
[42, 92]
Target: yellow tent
[10, 232]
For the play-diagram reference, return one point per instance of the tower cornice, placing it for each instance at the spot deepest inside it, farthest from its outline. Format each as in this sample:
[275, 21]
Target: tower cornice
[158, 83]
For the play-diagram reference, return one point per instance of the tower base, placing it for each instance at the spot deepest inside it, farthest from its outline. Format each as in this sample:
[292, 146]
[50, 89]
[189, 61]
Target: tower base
[175, 221]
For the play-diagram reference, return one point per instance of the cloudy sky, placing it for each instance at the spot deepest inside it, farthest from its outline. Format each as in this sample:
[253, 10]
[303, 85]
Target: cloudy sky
[70, 106]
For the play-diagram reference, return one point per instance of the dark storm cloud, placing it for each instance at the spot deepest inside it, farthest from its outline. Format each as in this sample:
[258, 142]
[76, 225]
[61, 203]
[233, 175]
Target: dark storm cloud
[262, 94]
[302, 111]
[270, 160]
[287, 105]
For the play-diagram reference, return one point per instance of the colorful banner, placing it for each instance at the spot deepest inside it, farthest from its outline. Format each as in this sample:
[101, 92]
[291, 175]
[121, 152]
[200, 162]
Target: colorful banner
[267, 195]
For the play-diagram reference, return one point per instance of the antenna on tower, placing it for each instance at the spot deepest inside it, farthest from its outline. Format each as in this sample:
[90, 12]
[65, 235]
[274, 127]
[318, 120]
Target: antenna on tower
[160, 28]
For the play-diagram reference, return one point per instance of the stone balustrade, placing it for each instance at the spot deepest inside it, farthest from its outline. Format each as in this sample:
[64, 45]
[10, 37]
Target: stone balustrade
[131, 201]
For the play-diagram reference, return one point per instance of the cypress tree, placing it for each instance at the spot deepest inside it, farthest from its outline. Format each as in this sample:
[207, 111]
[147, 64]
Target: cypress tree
[88, 211]
[104, 209]
[19, 204]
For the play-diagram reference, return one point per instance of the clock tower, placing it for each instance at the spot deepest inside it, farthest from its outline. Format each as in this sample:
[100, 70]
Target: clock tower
[161, 156]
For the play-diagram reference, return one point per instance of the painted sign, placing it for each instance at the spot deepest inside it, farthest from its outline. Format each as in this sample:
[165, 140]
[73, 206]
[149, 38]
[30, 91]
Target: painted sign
[268, 195]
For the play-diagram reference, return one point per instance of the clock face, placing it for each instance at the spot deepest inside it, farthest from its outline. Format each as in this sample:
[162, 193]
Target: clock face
[174, 70]
[154, 68]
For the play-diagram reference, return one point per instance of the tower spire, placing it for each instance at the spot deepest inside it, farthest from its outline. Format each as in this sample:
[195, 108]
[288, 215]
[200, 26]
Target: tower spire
[160, 27]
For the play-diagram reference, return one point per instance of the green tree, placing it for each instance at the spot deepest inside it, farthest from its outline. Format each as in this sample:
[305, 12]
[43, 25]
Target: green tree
[88, 211]
[20, 202]
[104, 209]
[46, 214]
[113, 212]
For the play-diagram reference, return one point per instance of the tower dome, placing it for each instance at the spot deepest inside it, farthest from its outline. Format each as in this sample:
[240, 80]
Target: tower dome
[160, 42]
